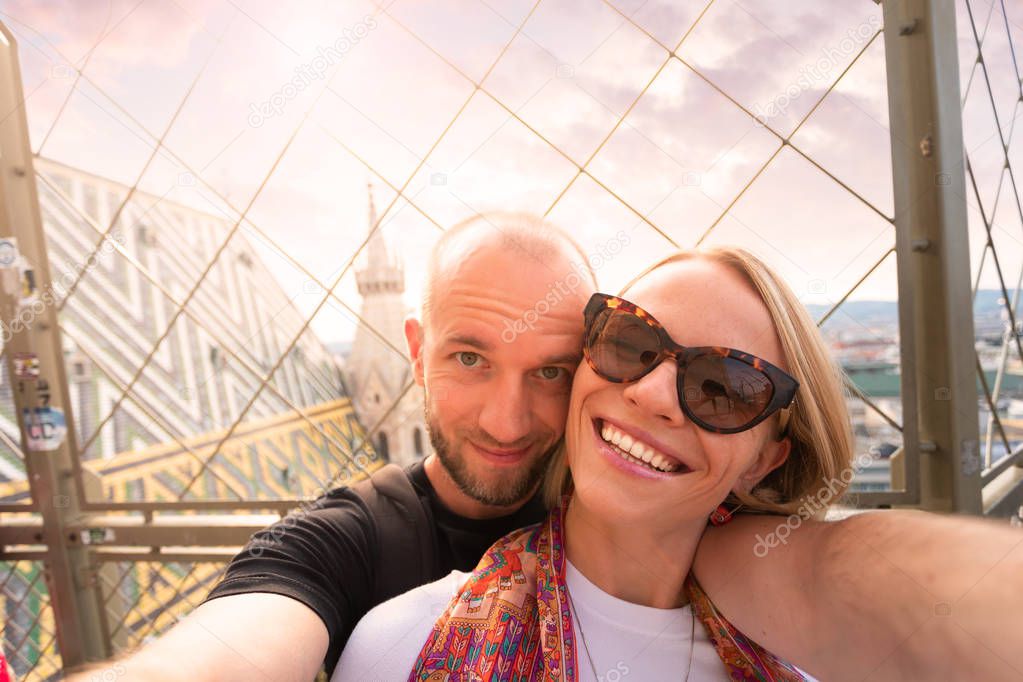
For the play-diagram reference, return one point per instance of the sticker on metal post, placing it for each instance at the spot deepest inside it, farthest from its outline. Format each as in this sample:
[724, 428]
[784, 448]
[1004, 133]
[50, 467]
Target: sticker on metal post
[8, 252]
[97, 536]
[26, 366]
[28, 294]
[43, 392]
[45, 428]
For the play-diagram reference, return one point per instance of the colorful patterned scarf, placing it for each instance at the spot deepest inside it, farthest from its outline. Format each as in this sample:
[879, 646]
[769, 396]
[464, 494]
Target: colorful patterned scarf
[511, 620]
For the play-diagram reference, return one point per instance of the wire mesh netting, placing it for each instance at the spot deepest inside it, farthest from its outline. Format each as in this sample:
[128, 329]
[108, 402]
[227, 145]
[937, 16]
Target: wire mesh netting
[991, 101]
[142, 600]
[27, 629]
[226, 248]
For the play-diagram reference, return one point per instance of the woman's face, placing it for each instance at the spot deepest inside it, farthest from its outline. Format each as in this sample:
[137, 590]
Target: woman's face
[699, 303]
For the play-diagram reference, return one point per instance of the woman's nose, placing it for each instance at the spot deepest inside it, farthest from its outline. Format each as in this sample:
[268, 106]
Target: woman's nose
[656, 393]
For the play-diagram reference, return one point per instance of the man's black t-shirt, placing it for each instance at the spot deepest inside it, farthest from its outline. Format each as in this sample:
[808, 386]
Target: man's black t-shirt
[325, 557]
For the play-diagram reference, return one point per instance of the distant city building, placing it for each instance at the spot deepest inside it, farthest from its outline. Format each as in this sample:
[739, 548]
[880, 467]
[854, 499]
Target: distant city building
[880, 382]
[378, 370]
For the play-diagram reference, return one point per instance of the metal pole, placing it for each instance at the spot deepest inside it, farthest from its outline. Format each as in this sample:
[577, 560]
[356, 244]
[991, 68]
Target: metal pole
[35, 364]
[935, 311]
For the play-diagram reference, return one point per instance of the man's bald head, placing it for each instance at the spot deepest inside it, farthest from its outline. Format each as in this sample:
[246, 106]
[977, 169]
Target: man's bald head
[520, 236]
[495, 349]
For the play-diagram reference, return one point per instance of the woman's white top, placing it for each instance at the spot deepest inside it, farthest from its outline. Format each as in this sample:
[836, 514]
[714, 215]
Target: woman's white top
[625, 640]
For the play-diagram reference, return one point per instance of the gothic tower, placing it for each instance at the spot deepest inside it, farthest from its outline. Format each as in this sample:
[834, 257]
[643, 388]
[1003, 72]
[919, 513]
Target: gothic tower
[378, 368]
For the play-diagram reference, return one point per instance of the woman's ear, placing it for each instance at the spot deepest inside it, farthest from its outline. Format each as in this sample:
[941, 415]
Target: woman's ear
[771, 456]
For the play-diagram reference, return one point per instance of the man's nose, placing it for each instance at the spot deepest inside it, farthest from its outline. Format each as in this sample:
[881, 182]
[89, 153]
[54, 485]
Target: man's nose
[506, 410]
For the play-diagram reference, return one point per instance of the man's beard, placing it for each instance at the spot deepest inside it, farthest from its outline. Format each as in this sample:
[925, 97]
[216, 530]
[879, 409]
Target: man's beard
[505, 491]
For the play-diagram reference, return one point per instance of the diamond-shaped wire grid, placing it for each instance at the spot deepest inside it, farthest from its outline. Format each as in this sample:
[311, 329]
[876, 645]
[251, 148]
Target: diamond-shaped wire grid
[27, 628]
[142, 600]
[992, 97]
[509, 95]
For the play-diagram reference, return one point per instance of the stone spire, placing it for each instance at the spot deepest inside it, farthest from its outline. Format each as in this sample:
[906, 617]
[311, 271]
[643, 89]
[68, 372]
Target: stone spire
[377, 369]
[382, 272]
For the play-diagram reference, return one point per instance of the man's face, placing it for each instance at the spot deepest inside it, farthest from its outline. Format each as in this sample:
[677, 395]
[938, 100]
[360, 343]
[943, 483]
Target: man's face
[504, 339]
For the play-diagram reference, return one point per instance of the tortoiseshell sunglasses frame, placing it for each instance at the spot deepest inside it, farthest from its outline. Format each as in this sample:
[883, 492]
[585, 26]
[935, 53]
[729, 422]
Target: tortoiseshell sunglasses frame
[784, 385]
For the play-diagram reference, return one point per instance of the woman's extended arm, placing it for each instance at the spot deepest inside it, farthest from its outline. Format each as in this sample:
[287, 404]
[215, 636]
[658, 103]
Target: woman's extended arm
[890, 595]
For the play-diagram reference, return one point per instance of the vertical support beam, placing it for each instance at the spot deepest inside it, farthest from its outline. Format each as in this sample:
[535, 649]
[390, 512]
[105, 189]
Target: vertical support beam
[935, 308]
[35, 364]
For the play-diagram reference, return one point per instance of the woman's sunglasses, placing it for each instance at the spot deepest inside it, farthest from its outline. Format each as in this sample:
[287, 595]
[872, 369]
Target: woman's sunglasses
[720, 389]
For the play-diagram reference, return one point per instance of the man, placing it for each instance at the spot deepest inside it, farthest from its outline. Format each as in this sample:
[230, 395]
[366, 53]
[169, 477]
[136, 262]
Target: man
[495, 352]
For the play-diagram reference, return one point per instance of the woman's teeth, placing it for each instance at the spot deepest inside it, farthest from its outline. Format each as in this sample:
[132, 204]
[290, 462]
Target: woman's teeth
[636, 451]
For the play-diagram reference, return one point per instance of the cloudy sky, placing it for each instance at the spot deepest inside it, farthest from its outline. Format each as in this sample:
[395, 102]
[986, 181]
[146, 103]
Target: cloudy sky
[388, 94]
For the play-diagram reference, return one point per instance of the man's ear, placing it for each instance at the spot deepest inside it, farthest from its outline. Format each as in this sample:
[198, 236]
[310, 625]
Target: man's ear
[772, 456]
[414, 341]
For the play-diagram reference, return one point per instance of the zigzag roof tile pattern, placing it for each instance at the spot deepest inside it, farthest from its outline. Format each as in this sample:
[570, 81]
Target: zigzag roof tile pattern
[157, 396]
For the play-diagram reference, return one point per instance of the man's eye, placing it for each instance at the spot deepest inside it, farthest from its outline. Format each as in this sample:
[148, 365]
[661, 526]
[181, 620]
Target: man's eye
[467, 358]
[552, 373]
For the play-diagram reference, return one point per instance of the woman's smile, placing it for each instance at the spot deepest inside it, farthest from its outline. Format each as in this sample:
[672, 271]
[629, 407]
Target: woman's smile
[634, 453]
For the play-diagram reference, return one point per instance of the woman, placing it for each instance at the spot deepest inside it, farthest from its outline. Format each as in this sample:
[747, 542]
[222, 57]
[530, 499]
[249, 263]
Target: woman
[668, 427]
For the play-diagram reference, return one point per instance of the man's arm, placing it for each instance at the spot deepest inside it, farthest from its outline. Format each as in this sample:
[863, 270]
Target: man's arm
[243, 637]
[286, 605]
[889, 595]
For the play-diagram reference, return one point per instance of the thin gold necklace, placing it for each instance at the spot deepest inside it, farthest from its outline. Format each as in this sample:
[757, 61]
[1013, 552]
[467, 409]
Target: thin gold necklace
[582, 636]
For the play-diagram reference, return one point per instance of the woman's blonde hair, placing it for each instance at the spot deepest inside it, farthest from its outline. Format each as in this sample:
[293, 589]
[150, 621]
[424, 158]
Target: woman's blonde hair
[818, 468]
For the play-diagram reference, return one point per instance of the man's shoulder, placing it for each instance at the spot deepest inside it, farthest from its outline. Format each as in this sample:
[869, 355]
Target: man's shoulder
[348, 510]
[340, 502]
[355, 500]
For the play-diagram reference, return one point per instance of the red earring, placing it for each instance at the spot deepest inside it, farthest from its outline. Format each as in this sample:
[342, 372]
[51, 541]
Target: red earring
[721, 516]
